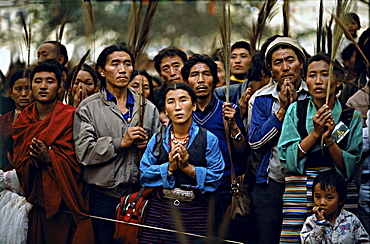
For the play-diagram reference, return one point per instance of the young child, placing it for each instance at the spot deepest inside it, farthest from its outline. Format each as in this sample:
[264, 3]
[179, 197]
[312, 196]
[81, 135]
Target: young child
[330, 223]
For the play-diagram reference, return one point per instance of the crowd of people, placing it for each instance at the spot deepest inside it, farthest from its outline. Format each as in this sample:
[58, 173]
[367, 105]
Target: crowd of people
[81, 139]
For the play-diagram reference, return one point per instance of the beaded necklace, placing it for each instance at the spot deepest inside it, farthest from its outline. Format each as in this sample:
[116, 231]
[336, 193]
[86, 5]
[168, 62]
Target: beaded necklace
[175, 139]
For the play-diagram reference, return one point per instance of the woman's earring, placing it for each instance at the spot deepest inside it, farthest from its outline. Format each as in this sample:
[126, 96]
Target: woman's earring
[272, 74]
[102, 73]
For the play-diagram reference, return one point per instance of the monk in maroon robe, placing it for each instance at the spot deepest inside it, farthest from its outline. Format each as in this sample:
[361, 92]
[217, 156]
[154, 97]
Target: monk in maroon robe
[46, 166]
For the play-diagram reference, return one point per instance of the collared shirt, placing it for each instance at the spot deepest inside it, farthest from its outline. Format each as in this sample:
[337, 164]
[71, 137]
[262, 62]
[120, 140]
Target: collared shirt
[347, 229]
[130, 102]
[265, 130]
[234, 80]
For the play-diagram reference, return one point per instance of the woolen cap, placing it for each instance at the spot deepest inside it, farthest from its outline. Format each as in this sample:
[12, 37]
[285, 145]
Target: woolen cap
[288, 41]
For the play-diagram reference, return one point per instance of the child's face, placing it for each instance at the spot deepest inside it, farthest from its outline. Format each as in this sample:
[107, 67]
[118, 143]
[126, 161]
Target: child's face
[327, 200]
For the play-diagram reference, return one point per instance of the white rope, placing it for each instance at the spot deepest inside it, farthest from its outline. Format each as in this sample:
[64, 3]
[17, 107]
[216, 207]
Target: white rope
[156, 228]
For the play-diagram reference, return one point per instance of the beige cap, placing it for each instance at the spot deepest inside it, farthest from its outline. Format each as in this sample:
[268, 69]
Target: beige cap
[285, 41]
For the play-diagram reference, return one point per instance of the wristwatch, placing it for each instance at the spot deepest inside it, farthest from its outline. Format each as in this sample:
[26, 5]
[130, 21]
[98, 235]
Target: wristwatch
[238, 136]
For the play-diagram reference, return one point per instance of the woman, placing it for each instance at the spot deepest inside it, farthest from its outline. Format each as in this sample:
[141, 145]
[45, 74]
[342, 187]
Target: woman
[307, 144]
[22, 96]
[84, 85]
[138, 76]
[353, 26]
[183, 159]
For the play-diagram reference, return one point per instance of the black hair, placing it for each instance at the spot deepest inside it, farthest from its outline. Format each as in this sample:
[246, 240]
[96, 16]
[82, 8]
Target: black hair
[48, 67]
[364, 38]
[348, 52]
[241, 44]
[168, 52]
[360, 64]
[3, 82]
[328, 179]
[143, 72]
[103, 56]
[197, 58]
[355, 17]
[19, 74]
[217, 55]
[57, 64]
[158, 80]
[337, 68]
[62, 50]
[85, 67]
[257, 67]
[182, 86]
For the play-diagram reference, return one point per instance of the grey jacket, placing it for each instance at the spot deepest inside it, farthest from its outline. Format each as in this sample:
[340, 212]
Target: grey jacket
[98, 129]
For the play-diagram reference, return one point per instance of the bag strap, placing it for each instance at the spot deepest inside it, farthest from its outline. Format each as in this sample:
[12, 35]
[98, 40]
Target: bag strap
[138, 195]
[234, 183]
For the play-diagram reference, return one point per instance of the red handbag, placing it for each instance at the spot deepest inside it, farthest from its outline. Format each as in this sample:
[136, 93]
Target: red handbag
[131, 209]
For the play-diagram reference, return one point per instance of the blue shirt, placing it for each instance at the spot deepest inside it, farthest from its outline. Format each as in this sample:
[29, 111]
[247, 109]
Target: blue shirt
[208, 178]
[130, 102]
[211, 119]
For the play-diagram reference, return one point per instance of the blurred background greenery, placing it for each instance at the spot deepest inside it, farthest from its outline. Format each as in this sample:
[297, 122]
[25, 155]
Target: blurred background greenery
[192, 25]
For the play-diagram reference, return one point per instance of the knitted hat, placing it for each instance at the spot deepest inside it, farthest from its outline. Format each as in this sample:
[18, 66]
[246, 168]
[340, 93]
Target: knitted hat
[288, 41]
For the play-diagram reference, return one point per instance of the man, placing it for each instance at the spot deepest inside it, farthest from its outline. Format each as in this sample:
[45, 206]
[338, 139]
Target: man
[168, 63]
[48, 171]
[52, 50]
[200, 72]
[108, 137]
[240, 61]
[285, 59]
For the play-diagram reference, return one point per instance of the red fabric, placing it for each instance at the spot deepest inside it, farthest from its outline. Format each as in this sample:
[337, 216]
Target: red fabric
[6, 125]
[58, 185]
[6, 132]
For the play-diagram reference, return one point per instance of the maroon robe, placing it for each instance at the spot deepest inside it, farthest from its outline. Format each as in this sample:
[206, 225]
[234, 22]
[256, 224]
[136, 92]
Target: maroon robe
[6, 131]
[55, 189]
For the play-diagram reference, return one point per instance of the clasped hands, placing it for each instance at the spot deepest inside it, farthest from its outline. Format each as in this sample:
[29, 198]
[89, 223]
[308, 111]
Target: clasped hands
[323, 123]
[39, 151]
[288, 94]
[178, 158]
